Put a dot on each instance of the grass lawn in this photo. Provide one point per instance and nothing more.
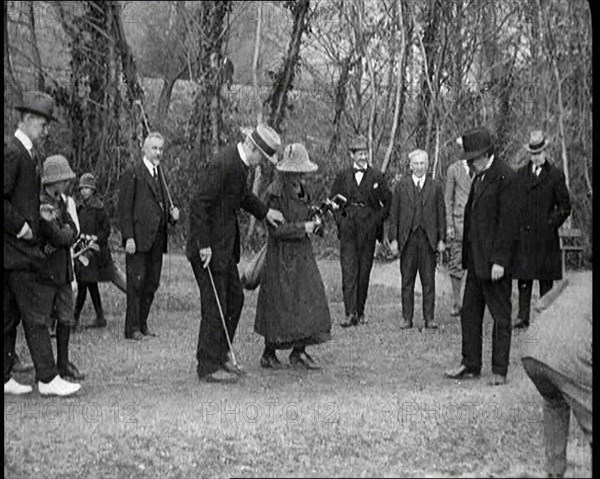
(379, 407)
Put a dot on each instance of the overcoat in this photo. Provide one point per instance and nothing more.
(292, 307)
(544, 205)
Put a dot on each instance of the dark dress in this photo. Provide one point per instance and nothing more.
(93, 220)
(292, 309)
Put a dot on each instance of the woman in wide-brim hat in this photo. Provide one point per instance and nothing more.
(292, 310)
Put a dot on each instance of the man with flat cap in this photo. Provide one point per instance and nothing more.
(213, 245)
(488, 246)
(360, 225)
(23, 257)
(417, 231)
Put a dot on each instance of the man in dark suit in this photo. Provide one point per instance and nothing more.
(545, 205)
(213, 245)
(360, 225)
(144, 212)
(488, 246)
(23, 257)
(417, 231)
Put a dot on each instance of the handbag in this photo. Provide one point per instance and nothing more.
(250, 278)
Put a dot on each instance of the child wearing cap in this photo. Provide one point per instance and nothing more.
(95, 223)
(58, 233)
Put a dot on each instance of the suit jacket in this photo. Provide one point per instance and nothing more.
(544, 205)
(21, 205)
(403, 211)
(458, 185)
(373, 188)
(213, 210)
(143, 207)
(490, 221)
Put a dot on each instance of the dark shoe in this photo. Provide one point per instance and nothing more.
(351, 320)
(270, 362)
(149, 334)
(99, 323)
(220, 376)
(362, 319)
(71, 372)
(406, 325)
(136, 336)
(520, 324)
(304, 360)
(231, 367)
(462, 372)
(19, 366)
(431, 325)
(497, 380)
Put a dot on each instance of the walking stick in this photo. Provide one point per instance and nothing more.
(212, 282)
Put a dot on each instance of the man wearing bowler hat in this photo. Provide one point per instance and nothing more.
(360, 225)
(213, 245)
(488, 246)
(545, 205)
(23, 258)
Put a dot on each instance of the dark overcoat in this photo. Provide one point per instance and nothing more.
(292, 307)
(544, 205)
(93, 220)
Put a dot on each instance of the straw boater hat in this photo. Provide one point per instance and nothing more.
(56, 168)
(358, 143)
(267, 141)
(537, 142)
(476, 142)
(38, 103)
(87, 180)
(295, 160)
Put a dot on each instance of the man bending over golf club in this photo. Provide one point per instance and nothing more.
(213, 247)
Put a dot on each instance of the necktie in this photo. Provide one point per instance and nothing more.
(359, 170)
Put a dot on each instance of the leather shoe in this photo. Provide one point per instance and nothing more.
(351, 320)
(462, 372)
(406, 325)
(58, 387)
(220, 376)
(520, 324)
(136, 336)
(431, 325)
(99, 323)
(362, 319)
(231, 367)
(304, 360)
(71, 372)
(497, 380)
(19, 366)
(270, 362)
(149, 334)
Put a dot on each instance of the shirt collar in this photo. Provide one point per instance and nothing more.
(534, 167)
(23, 138)
(149, 165)
(418, 181)
(466, 165)
(487, 166)
(242, 153)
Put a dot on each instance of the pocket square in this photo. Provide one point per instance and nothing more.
(376, 185)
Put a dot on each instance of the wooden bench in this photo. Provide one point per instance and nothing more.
(570, 242)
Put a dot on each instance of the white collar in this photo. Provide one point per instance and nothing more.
(418, 181)
(489, 163)
(23, 138)
(242, 153)
(466, 165)
(534, 167)
(149, 165)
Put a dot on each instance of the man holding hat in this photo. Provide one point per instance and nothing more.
(360, 225)
(144, 212)
(545, 205)
(213, 245)
(488, 247)
(22, 254)
(417, 231)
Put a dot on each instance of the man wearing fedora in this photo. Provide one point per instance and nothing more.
(417, 231)
(144, 213)
(544, 206)
(360, 225)
(22, 255)
(488, 246)
(213, 245)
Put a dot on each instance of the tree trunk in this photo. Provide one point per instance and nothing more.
(340, 102)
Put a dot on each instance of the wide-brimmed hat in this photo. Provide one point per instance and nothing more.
(537, 142)
(267, 141)
(38, 103)
(476, 142)
(418, 155)
(87, 180)
(56, 168)
(358, 143)
(296, 160)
